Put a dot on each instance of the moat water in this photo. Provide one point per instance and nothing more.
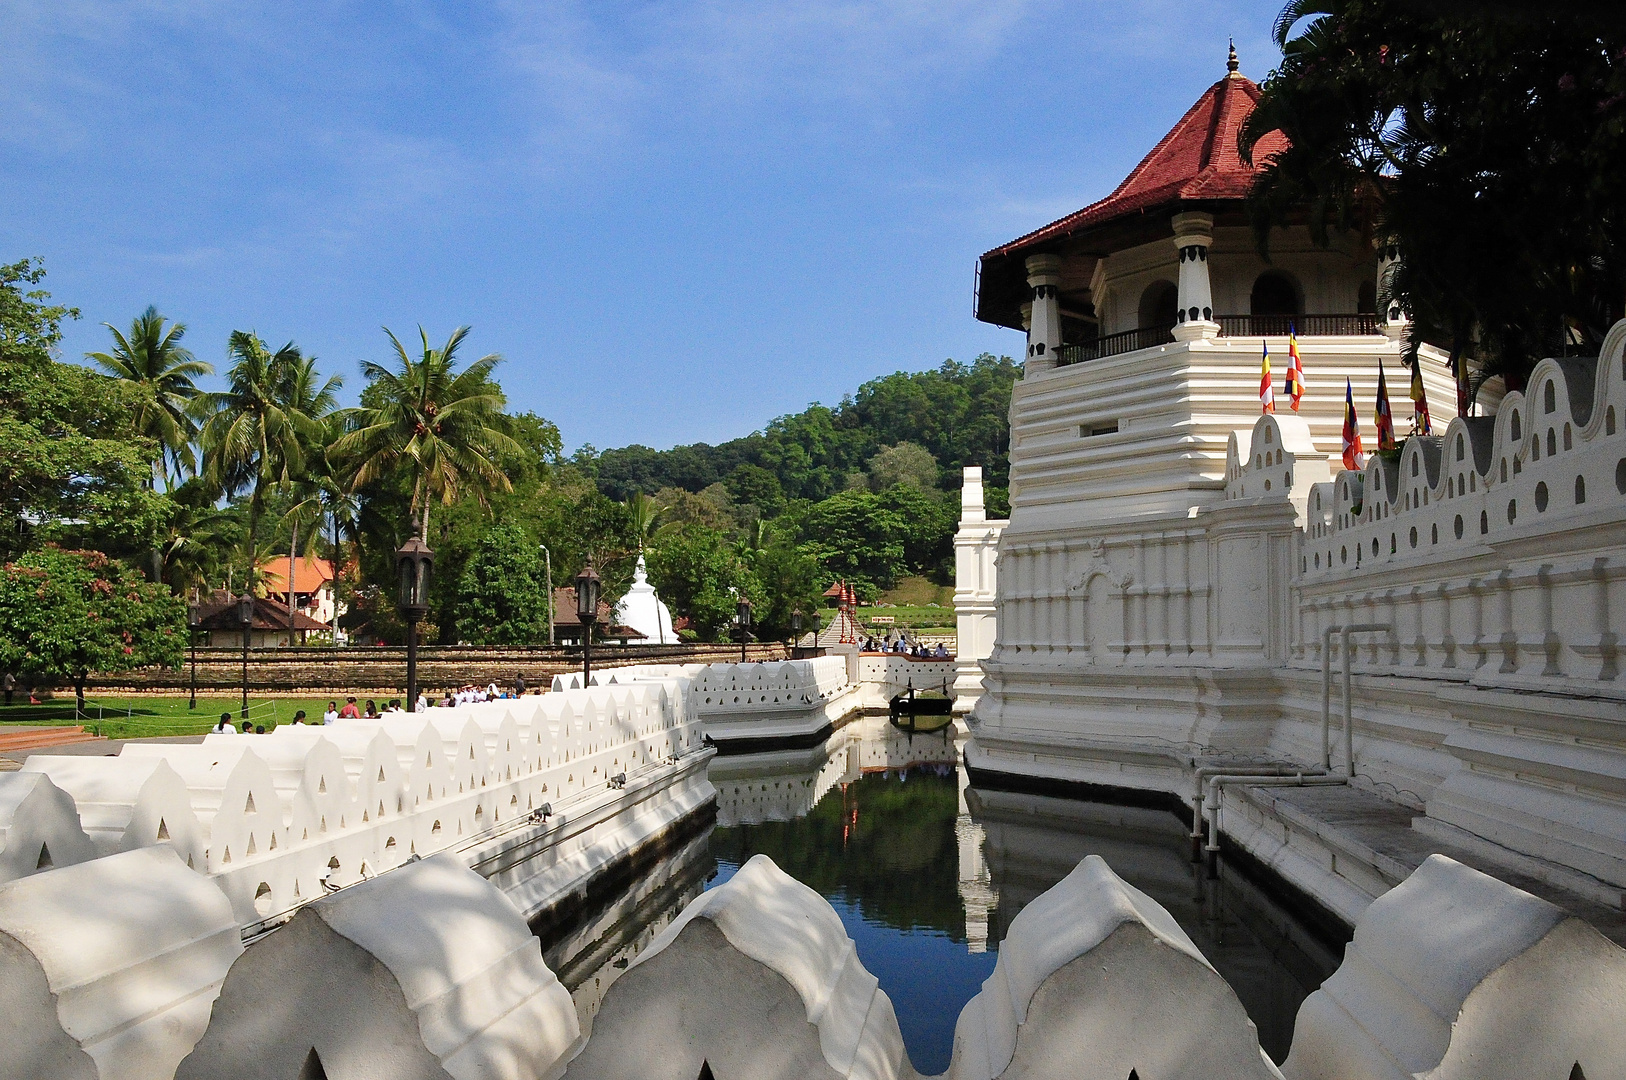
(927, 873)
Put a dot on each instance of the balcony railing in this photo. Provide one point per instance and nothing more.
(1149, 337)
(1146, 337)
(1303, 325)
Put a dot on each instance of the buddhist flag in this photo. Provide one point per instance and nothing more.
(1295, 368)
(1353, 458)
(1419, 397)
(1267, 393)
(1384, 419)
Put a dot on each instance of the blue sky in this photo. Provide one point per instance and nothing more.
(675, 220)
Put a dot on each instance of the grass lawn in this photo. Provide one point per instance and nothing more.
(135, 717)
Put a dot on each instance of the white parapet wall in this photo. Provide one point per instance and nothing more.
(758, 978)
(108, 968)
(1454, 975)
(278, 820)
(1146, 626)
(39, 827)
(428, 971)
(1095, 979)
(777, 700)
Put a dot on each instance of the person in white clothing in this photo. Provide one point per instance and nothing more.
(332, 714)
(223, 726)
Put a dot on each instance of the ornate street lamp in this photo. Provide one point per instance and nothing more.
(587, 586)
(245, 623)
(194, 620)
(743, 617)
(414, 564)
(795, 633)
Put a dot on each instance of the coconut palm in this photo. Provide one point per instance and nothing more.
(648, 518)
(445, 427)
(267, 424)
(151, 356)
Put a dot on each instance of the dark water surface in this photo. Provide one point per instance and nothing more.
(927, 874)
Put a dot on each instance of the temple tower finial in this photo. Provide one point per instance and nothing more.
(1231, 64)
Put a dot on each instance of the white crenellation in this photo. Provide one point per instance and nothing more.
(280, 819)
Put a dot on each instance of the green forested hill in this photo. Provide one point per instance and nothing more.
(957, 412)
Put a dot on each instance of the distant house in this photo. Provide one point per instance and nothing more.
(269, 627)
(567, 630)
(314, 593)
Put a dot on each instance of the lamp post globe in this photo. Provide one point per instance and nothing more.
(245, 623)
(414, 566)
(194, 620)
(587, 590)
(743, 617)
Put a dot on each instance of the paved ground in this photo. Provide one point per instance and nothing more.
(1381, 831)
(101, 748)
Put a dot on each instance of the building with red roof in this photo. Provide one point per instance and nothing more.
(314, 594)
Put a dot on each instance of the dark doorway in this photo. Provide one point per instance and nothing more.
(1275, 294)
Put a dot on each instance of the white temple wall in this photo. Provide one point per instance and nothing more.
(1495, 704)
(976, 579)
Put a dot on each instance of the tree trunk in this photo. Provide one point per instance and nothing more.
(293, 548)
(79, 692)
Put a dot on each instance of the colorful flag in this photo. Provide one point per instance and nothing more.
(1419, 397)
(1353, 458)
(1384, 419)
(1267, 393)
(1295, 368)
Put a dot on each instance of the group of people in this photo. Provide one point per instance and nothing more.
(917, 650)
(463, 695)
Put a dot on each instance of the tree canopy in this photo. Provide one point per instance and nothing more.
(1484, 140)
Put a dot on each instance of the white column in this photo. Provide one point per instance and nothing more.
(1193, 234)
(1044, 328)
(1390, 313)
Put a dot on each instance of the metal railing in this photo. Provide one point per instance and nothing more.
(1145, 337)
(1356, 325)
(1149, 337)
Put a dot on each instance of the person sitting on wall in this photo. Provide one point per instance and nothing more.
(349, 712)
(259, 729)
(421, 704)
(224, 726)
(248, 728)
(394, 707)
(299, 718)
(332, 714)
(372, 710)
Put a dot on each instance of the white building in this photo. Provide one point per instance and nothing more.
(1173, 558)
(645, 612)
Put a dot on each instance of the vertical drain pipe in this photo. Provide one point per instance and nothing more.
(1326, 691)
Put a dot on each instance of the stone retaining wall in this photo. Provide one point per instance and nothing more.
(381, 669)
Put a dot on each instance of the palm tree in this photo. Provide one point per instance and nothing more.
(151, 356)
(321, 497)
(303, 397)
(264, 430)
(647, 518)
(446, 428)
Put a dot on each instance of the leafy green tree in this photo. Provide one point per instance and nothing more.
(72, 465)
(855, 537)
(788, 578)
(151, 357)
(269, 420)
(502, 597)
(906, 463)
(66, 614)
(1484, 140)
(196, 545)
(446, 428)
(929, 521)
(693, 568)
(755, 486)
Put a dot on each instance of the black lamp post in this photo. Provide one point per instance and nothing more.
(245, 623)
(743, 617)
(194, 617)
(587, 586)
(795, 633)
(414, 564)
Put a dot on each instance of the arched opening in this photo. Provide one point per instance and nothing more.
(1274, 293)
(1366, 298)
(1159, 304)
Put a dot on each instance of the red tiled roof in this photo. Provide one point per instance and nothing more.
(310, 574)
(1197, 160)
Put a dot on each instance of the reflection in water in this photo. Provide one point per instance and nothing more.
(927, 874)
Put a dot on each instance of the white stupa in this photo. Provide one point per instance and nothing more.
(642, 610)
